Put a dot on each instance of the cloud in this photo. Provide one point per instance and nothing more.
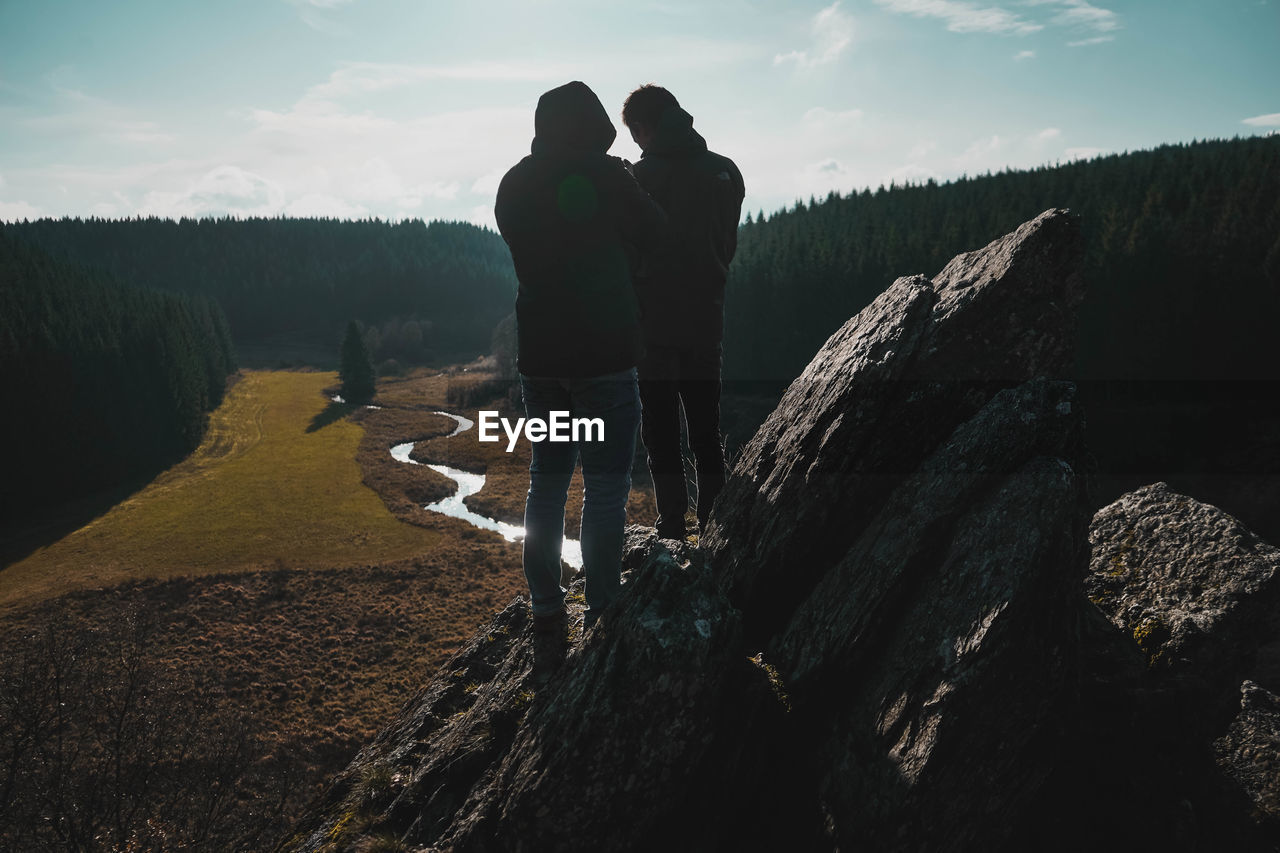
(831, 31)
(13, 211)
(225, 190)
(321, 150)
(1001, 151)
(1080, 13)
(482, 215)
(982, 147)
(1024, 54)
(1268, 120)
(487, 184)
(966, 17)
(963, 17)
(1089, 41)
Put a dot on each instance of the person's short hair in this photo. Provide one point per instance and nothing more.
(646, 105)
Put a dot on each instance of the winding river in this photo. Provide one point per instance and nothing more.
(469, 484)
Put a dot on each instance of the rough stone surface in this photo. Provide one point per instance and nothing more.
(1249, 754)
(631, 725)
(1198, 592)
(883, 391)
(952, 612)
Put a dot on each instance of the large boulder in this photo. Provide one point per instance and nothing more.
(1198, 591)
(905, 536)
(879, 396)
(934, 664)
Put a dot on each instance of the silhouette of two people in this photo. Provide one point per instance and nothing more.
(613, 278)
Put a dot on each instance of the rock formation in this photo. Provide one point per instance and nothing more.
(1187, 695)
(883, 642)
(1199, 593)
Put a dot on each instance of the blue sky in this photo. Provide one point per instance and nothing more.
(393, 108)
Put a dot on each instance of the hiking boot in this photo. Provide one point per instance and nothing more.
(544, 623)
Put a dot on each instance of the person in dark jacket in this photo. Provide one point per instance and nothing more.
(682, 301)
(574, 218)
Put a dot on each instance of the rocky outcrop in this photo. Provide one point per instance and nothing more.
(1199, 593)
(883, 643)
(879, 396)
(1192, 599)
(632, 724)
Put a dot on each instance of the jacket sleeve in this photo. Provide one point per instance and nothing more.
(641, 221)
(644, 225)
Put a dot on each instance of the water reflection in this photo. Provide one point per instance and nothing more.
(469, 484)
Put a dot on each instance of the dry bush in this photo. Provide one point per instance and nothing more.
(472, 392)
(105, 748)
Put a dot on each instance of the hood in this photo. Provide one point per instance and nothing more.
(675, 135)
(571, 118)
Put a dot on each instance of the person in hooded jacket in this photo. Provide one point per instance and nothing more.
(574, 219)
(682, 301)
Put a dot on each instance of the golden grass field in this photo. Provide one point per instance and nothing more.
(260, 491)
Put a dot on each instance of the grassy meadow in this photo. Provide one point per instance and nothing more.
(266, 488)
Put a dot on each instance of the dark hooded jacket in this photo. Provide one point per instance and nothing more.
(683, 303)
(574, 219)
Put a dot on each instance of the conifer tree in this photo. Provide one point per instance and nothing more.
(356, 372)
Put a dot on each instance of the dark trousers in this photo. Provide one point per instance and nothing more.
(672, 378)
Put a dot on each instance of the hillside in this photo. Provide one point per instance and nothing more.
(289, 286)
(108, 381)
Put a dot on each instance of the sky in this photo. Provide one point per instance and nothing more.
(415, 108)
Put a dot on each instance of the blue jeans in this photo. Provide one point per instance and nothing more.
(606, 474)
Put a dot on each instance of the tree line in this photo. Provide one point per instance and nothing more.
(433, 291)
(1182, 259)
(105, 381)
(1175, 349)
